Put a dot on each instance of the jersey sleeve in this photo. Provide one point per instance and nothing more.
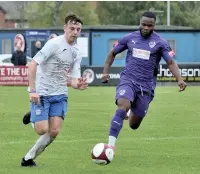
(47, 51)
(121, 45)
(166, 51)
(76, 69)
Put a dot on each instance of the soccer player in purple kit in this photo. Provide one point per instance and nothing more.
(135, 89)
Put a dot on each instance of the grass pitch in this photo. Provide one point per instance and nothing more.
(167, 142)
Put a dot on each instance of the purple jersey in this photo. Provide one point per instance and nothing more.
(143, 57)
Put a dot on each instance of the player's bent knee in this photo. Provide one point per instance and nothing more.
(41, 127)
(54, 132)
(134, 126)
(41, 131)
(123, 104)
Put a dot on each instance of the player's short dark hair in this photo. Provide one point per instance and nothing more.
(73, 18)
(149, 14)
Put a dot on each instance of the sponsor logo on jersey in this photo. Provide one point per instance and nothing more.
(141, 54)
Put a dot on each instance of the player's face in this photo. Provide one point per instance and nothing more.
(72, 30)
(146, 26)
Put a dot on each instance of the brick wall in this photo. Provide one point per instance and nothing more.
(9, 24)
(2, 19)
(5, 23)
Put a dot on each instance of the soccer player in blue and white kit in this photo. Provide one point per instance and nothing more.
(27, 117)
(136, 87)
(47, 81)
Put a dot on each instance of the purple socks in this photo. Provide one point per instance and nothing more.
(117, 122)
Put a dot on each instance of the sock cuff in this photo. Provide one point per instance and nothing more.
(121, 113)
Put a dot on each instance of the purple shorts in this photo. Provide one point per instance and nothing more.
(139, 99)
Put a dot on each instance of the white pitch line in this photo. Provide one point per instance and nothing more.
(90, 140)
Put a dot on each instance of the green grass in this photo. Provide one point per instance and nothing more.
(168, 141)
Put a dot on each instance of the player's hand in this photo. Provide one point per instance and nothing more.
(182, 85)
(105, 78)
(82, 83)
(34, 97)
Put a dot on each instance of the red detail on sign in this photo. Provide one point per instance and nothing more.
(13, 76)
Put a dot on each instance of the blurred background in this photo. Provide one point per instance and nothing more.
(169, 137)
(29, 25)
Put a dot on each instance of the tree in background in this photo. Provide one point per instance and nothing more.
(43, 14)
(128, 13)
(125, 12)
(186, 13)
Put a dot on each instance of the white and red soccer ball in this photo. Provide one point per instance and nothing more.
(102, 154)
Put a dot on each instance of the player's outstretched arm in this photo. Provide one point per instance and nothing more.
(173, 67)
(109, 61)
(79, 83)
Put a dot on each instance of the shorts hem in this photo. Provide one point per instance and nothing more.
(34, 121)
(123, 98)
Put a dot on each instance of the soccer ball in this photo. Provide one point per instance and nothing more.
(102, 154)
